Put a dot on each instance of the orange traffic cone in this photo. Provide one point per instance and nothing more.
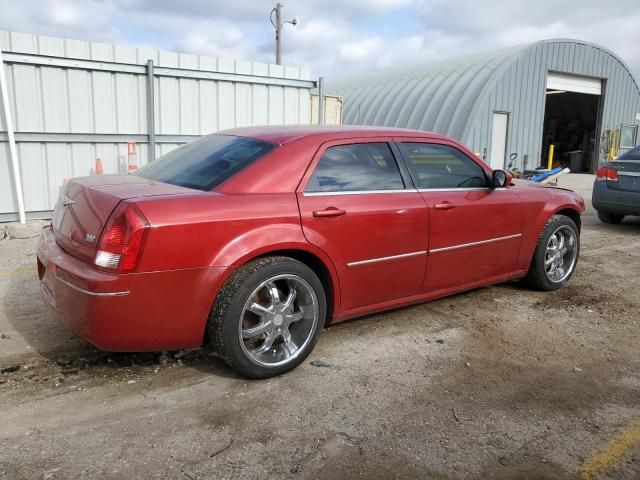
(99, 169)
(132, 157)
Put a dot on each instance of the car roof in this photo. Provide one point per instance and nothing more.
(289, 133)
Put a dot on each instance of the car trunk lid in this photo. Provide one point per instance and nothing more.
(628, 175)
(86, 203)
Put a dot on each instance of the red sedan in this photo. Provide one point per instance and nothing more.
(250, 241)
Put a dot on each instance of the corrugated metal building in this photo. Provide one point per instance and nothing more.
(574, 95)
(73, 101)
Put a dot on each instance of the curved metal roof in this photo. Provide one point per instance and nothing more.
(439, 96)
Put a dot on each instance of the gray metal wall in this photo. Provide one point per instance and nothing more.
(458, 97)
(74, 101)
(520, 91)
(434, 97)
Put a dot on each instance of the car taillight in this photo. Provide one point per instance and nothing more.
(122, 239)
(606, 173)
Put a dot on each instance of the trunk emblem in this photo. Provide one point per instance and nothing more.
(66, 201)
(89, 238)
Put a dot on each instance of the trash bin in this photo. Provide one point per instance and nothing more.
(576, 161)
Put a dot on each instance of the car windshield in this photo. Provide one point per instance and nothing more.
(207, 162)
(633, 154)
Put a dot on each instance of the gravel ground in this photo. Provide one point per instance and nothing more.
(500, 382)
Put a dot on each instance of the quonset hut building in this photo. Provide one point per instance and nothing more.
(577, 96)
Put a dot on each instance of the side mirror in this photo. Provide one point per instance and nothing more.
(500, 179)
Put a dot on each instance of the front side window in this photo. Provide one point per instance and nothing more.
(356, 167)
(442, 166)
(207, 162)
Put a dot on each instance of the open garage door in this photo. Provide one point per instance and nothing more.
(574, 83)
(571, 121)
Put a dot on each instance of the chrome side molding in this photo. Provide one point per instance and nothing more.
(386, 259)
(473, 244)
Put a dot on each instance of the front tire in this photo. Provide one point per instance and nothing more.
(268, 317)
(610, 217)
(556, 255)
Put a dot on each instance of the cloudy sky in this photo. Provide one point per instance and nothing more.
(334, 37)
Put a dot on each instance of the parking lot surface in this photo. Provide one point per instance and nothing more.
(500, 382)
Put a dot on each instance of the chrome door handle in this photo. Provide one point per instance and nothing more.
(329, 212)
(444, 206)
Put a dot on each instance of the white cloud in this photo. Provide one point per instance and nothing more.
(496, 23)
(88, 19)
(360, 49)
(334, 37)
(217, 39)
(64, 13)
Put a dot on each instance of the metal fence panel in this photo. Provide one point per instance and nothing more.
(74, 101)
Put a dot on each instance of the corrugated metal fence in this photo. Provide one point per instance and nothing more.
(73, 102)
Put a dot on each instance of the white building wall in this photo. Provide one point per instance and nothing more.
(95, 109)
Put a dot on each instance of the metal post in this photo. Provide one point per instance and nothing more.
(278, 30)
(321, 101)
(550, 160)
(151, 113)
(13, 153)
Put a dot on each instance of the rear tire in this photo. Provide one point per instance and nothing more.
(556, 255)
(267, 317)
(610, 217)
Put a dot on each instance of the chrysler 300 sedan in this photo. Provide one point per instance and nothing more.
(250, 241)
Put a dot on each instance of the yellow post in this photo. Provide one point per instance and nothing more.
(550, 162)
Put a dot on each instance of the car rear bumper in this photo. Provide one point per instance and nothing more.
(615, 201)
(127, 312)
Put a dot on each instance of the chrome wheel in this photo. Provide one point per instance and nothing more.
(560, 254)
(278, 320)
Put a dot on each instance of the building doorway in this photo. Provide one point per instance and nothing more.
(499, 140)
(571, 118)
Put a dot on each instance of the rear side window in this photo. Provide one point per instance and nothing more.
(442, 166)
(207, 162)
(356, 167)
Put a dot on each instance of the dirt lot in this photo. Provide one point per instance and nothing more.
(498, 383)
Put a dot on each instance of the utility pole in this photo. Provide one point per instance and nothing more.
(278, 30)
(278, 24)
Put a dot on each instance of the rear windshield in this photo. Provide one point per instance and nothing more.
(633, 154)
(207, 162)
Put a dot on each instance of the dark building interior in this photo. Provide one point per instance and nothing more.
(570, 124)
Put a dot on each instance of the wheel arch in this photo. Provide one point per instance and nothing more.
(570, 212)
(537, 226)
(306, 253)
